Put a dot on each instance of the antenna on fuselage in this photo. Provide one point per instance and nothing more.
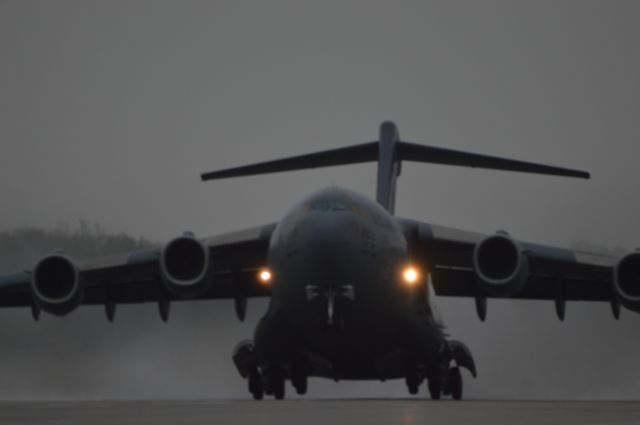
(389, 151)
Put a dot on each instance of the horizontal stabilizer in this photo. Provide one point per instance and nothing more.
(366, 152)
(389, 151)
(422, 153)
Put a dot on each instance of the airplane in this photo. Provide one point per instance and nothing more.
(351, 285)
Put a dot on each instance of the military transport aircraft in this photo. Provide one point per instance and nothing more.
(351, 285)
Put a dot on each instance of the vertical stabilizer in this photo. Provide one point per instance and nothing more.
(388, 165)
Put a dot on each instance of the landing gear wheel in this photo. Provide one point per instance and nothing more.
(278, 390)
(413, 389)
(275, 376)
(435, 388)
(300, 384)
(413, 384)
(455, 383)
(255, 384)
(298, 373)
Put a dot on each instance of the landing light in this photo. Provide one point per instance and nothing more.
(265, 276)
(410, 275)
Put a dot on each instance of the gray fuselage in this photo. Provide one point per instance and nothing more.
(338, 290)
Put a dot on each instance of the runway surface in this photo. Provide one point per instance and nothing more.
(333, 412)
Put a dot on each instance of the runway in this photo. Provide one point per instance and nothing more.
(333, 412)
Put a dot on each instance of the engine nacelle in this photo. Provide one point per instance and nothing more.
(185, 266)
(626, 281)
(56, 286)
(500, 265)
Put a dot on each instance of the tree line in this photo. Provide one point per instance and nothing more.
(20, 248)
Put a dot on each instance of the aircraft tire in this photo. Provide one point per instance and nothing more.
(435, 389)
(298, 375)
(255, 384)
(413, 382)
(278, 391)
(300, 384)
(276, 379)
(455, 382)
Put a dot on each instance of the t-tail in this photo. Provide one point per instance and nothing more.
(389, 151)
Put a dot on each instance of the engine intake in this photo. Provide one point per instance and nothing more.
(184, 266)
(500, 265)
(56, 286)
(627, 281)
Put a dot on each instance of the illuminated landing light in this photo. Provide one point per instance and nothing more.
(265, 276)
(410, 275)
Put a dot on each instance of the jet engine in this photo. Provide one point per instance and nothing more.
(500, 265)
(627, 281)
(56, 285)
(185, 266)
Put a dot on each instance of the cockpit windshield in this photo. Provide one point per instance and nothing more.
(327, 205)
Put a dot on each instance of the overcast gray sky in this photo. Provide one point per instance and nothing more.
(110, 110)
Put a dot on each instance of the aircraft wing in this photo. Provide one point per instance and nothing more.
(136, 277)
(553, 273)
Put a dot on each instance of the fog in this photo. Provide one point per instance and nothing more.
(109, 111)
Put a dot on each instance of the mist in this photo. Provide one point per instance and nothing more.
(110, 111)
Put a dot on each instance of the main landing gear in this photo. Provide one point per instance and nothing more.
(255, 384)
(443, 377)
(274, 378)
(272, 382)
(270, 379)
(440, 381)
(449, 385)
(455, 383)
